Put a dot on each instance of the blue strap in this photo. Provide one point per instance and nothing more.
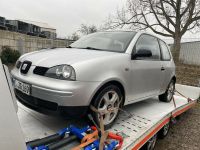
(94, 145)
(62, 132)
(29, 148)
(80, 133)
(112, 145)
(42, 147)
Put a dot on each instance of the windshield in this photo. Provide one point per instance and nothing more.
(105, 41)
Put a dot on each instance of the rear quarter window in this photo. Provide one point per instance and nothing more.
(164, 51)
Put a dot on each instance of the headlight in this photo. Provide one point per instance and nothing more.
(63, 72)
(18, 64)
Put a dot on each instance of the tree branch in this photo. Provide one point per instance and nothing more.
(186, 9)
(155, 31)
(165, 14)
(172, 4)
(158, 20)
(190, 20)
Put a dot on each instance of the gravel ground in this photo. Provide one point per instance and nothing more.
(185, 134)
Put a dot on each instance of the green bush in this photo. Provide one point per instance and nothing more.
(8, 55)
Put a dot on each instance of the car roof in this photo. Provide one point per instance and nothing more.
(118, 31)
(137, 32)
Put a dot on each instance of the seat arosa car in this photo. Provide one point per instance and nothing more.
(105, 69)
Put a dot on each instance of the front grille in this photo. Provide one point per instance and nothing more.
(36, 102)
(40, 70)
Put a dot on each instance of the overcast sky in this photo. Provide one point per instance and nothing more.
(65, 15)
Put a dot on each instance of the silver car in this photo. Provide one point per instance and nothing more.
(105, 69)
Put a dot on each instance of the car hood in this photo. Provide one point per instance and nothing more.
(53, 57)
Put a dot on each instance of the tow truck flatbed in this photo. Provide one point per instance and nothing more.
(146, 119)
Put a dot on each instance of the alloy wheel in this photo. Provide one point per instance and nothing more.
(170, 91)
(109, 106)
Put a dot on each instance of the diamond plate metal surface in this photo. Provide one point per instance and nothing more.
(131, 127)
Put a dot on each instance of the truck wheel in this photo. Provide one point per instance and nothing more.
(168, 95)
(150, 145)
(164, 131)
(107, 102)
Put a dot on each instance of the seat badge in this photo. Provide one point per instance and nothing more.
(24, 66)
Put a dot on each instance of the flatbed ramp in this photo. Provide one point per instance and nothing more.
(137, 124)
(148, 118)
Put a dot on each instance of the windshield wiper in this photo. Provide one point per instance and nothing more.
(92, 48)
(69, 46)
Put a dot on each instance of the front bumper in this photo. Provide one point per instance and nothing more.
(47, 107)
(53, 92)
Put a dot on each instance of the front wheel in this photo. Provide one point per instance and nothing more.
(168, 95)
(107, 102)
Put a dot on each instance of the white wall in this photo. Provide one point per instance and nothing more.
(190, 53)
(11, 136)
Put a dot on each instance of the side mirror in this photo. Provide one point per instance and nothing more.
(142, 53)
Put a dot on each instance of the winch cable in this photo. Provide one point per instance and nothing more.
(173, 119)
(189, 99)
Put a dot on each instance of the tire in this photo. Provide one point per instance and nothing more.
(164, 131)
(150, 145)
(103, 101)
(168, 95)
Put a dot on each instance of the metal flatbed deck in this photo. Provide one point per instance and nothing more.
(148, 117)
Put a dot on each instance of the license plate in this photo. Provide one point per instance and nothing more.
(23, 87)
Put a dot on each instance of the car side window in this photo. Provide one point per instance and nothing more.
(148, 42)
(164, 51)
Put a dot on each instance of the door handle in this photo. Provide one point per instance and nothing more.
(162, 68)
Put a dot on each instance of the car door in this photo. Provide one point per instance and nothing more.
(167, 65)
(146, 71)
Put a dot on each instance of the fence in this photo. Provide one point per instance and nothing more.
(190, 53)
(26, 43)
(188, 67)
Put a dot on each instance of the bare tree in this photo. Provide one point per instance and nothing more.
(84, 30)
(74, 36)
(169, 18)
(87, 29)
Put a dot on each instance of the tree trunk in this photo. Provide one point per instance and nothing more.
(176, 48)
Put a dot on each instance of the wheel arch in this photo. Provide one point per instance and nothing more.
(174, 78)
(110, 82)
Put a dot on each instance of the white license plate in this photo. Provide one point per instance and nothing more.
(24, 88)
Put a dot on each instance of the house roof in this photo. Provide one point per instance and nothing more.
(40, 24)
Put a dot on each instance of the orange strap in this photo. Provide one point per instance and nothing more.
(88, 137)
(79, 147)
